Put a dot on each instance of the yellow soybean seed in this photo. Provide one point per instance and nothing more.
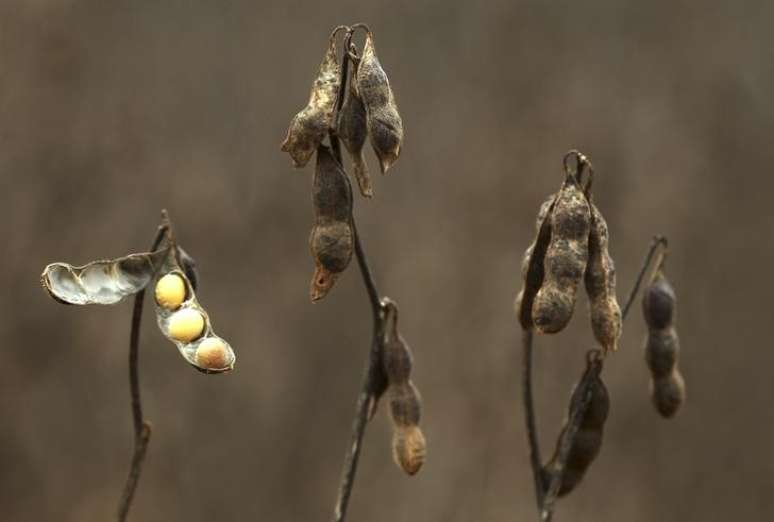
(211, 354)
(170, 291)
(186, 325)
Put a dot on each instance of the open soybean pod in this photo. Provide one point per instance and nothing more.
(332, 238)
(588, 438)
(532, 269)
(565, 258)
(183, 321)
(309, 127)
(101, 282)
(385, 126)
(662, 346)
(606, 321)
(353, 131)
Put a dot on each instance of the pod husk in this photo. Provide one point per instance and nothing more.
(101, 282)
(385, 126)
(310, 126)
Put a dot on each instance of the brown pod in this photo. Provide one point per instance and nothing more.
(532, 269)
(662, 349)
(332, 238)
(309, 127)
(668, 393)
(353, 131)
(659, 302)
(396, 355)
(409, 448)
(599, 278)
(587, 442)
(405, 404)
(385, 126)
(565, 259)
(662, 346)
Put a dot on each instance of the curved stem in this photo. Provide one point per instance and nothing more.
(142, 428)
(654, 245)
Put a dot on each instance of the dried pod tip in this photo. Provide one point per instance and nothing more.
(170, 291)
(186, 325)
(212, 354)
(322, 282)
(409, 448)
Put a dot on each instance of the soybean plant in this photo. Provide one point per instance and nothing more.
(570, 247)
(179, 316)
(351, 101)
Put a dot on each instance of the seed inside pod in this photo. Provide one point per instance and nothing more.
(212, 354)
(186, 325)
(170, 291)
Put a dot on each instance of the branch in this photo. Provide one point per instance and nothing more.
(352, 454)
(142, 428)
(654, 244)
(529, 415)
(546, 496)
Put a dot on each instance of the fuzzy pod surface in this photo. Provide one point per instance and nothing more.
(308, 128)
(587, 442)
(532, 265)
(565, 259)
(385, 126)
(600, 281)
(353, 131)
(332, 238)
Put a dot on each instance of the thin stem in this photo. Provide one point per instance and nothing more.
(362, 410)
(529, 415)
(142, 428)
(654, 245)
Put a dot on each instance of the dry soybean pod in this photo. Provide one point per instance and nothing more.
(587, 440)
(309, 127)
(662, 345)
(606, 322)
(408, 444)
(566, 256)
(352, 127)
(532, 269)
(385, 126)
(331, 240)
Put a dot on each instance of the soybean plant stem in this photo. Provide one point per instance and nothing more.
(546, 495)
(142, 428)
(365, 397)
(654, 245)
(529, 414)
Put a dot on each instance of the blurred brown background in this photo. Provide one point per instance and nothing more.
(110, 111)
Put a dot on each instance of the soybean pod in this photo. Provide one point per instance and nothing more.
(662, 345)
(308, 128)
(565, 258)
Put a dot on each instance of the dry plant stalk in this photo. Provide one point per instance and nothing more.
(571, 245)
(353, 105)
(180, 317)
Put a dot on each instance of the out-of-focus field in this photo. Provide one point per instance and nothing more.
(110, 111)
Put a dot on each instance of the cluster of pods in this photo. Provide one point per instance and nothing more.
(354, 104)
(571, 246)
